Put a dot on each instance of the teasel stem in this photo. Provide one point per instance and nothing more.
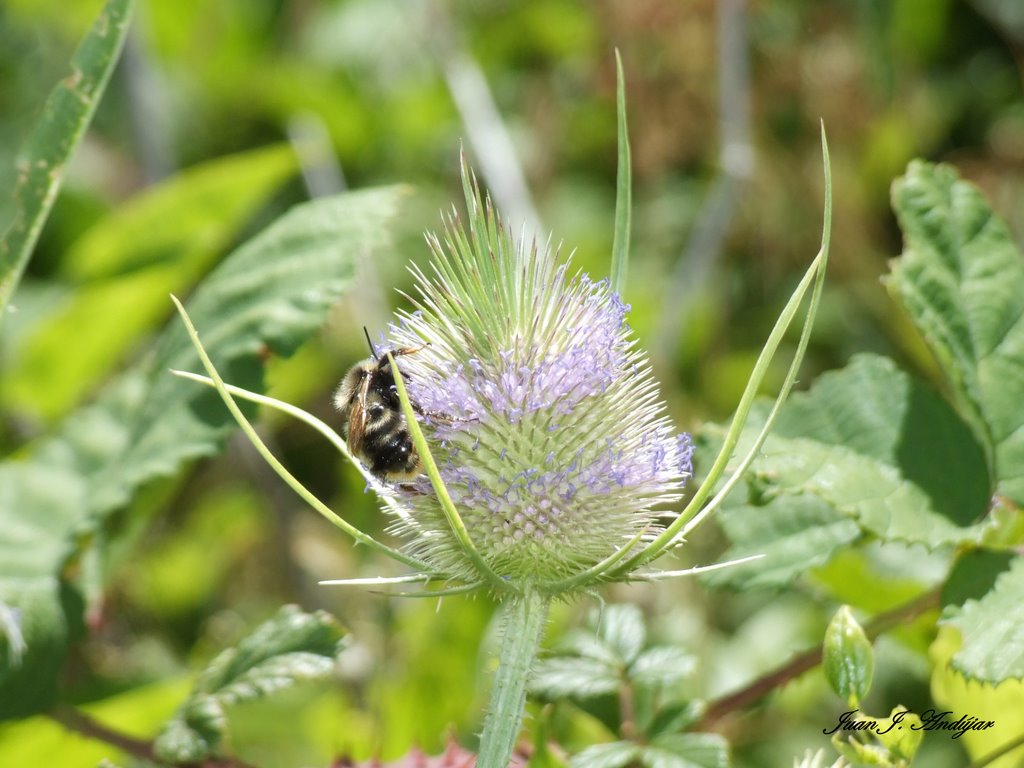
(525, 618)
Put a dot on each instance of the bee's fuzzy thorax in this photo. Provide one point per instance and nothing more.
(555, 445)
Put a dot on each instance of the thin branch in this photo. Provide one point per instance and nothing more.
(762, 686)
(79, 722)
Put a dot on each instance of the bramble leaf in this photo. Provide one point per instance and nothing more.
(289, 648)
(993, 630)
(866, 444)
(793, 533)
(118, 275)
(961, 278)
(617, 754)
(272, 292)
(577, 676)
(661, 666)
(685, 750)
(621, 627)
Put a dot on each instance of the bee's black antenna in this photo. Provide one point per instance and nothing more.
(373, 352)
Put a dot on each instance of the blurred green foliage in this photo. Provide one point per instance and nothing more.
(185, 160)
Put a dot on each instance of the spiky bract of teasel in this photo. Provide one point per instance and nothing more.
(540, 410)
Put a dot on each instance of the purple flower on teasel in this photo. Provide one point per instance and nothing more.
(541, 411)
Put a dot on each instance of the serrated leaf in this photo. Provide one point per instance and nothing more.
(792, 533)
(66, 114)
(877, 448)
(585, 643)
(847, 657)
(289, 648)
(192, 735)
(674, 717)
(273, 291)
(686, 750)
(998, 709)
(961, 278)
(973, 575)
(661, 666)
(621, 627)
(993, 630)
(124, 268)
(576, 676)
(618, 754)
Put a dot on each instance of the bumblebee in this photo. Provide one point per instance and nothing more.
(372, 420)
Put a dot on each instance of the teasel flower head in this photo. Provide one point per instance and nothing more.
(539, 408)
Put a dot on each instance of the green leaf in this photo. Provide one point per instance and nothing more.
(588, 645)
(902, 742)
(992, 630)
(618, 754)
(674, 717)
(43, 617)
(124, 267)
(66, 114)
(686, 750)
(576, 676)
(661, 666)
(793, 533)
(997, 708)
(973, 575)
(962, 280)
(848, 658)
(289, 648)
(594, 665)
(621, 627)
(868, 444)
(37, 513)
(274, 291)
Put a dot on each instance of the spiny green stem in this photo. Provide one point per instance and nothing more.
(524, 626)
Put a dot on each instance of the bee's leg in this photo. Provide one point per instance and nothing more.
(410, 488)
(444, 418)
(409, 350)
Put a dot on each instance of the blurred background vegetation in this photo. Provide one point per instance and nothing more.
(189, 154)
